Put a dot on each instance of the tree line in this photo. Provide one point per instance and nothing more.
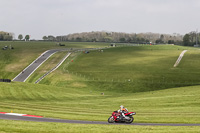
(191, 39)
(5, 36)
(26, 38)
(120, 37)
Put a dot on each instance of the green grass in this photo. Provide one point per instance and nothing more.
(177, 105)
(134, 69)
(8, 126)
(140, 78)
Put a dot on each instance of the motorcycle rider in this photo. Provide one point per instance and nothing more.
(122, 110)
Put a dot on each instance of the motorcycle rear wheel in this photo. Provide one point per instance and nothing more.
(130, 120)
(111, 119)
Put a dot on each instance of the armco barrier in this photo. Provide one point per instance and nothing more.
(5, 80)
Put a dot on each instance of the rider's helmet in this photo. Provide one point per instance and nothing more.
(121, 107)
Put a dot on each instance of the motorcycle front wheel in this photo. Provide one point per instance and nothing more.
(130, 120)
(111, 119)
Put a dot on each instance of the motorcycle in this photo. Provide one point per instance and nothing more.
(118, 118)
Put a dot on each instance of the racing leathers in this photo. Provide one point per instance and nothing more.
(123, 111)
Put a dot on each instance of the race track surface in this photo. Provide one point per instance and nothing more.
(25, 118)
(21, 77)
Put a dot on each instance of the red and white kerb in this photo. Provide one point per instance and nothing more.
(16, 114)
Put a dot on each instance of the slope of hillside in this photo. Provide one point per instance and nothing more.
(135, 69)
(74, 91)
(177, 105)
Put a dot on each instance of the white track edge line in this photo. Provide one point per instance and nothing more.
(30, 64)
(58, 65)
(38, 67)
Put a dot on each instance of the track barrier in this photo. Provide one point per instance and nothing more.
(5, 80)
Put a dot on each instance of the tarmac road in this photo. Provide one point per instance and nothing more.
(21, 77)
(25, 118)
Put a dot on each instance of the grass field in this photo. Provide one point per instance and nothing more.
(134, 69)
(177, 105)
(140, 78)
(14, 61)
(38, 127)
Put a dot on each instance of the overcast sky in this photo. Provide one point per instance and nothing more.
(61, 17)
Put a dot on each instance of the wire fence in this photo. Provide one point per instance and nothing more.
(84, 77)
(60, 63)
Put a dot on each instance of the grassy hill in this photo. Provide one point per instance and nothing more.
(131, 69)
(177, 105)
(141, 78)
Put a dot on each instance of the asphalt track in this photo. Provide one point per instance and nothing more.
(21, 77)
(35, 119)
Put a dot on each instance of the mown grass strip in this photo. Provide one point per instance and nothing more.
(42, 127)
(177, 105)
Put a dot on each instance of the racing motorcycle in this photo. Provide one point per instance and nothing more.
(118, 118)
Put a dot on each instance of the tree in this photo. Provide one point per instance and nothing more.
(108, 39)
(20, 37)
(45, 38)
(129, 40)
(7, 37)
(142, 40)
(192, 36)
(27, 37)
(1, 37)
(51, 38)
(157, 41)
(170, 41)
(78, 39)
(161, 38)
(94, 40)
(186, 40)
(122, 39)
(102, 36)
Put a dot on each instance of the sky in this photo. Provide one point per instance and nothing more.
(39, 18)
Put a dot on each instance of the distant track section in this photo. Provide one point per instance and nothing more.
(60, 63)
(23, 76)
(26, 73)
(179, 58)
(53, 69)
